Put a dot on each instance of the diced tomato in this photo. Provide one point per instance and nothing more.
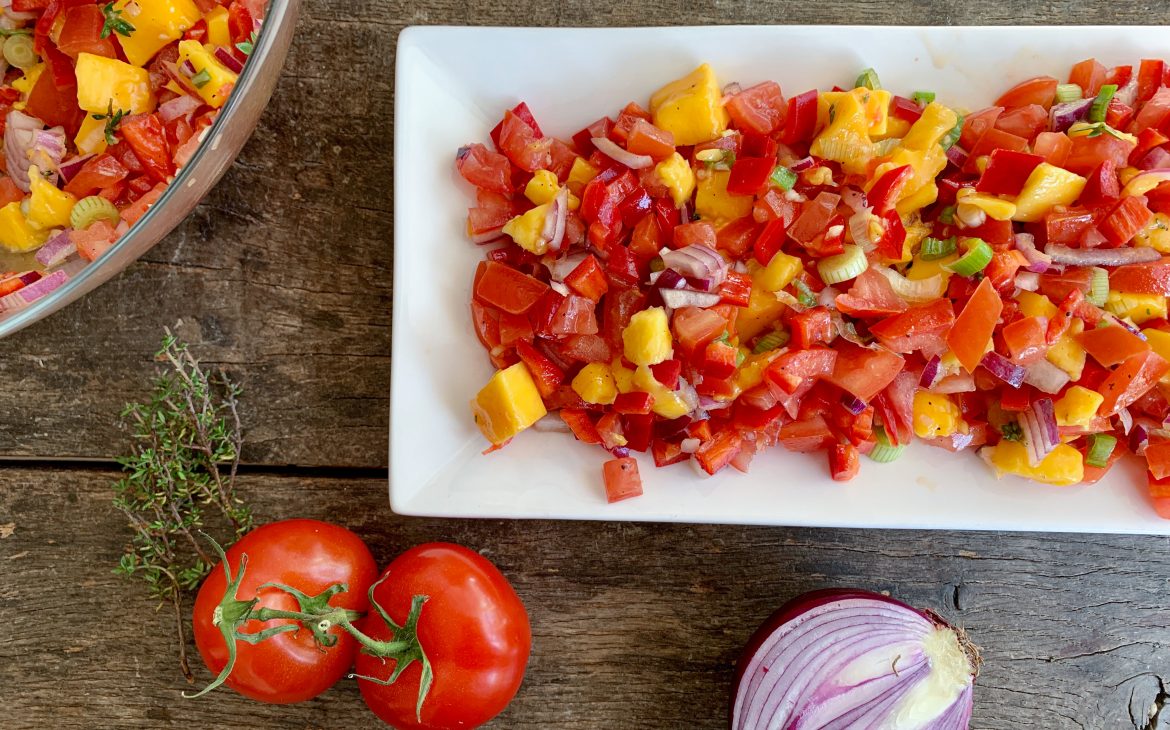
(1007, 171)
(870, 296)
(1040, 90)
(844, 462)
(1001, 270)
(1086, 153)
(794, 368)
(1112, 345)
(1158, 491)
(1102, 187)
(667, 452)
(1158, 459)
(759, 109)
(1130, 381)
(1054, 147)
(485, 169)
(584, 139)
(515, 328)
(719, 360)
(588, 279)
(1057, 285)
(508, 289)
(699, 232)
(145, 197)
(633, 402)
(622, 480)
(801, 120)
(718, 452)
(694, 328)
(736, 237)
(1150, 76)
(1067, 225)
(814, 218)
(749, 175)
(1025, 121)
(923, 326)
(646, 139)
(1149, 278)
(145, 135)
(807, 435)
(864, 372)
(992, 140)
(585, 348)
(810, 327)
(991, 230)
(1153, 113)
(9, 192)
(1117, 114)
(1089, 75)
(98, 172)
(888, 188)
(523, 145)
(975, 125)
(81, 30)
(53, 99)
(1127, 218)
(973, 327)
(769, 242)
(774, 206)
(1026, 339)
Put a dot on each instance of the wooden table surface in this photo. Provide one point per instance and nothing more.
(283, 275)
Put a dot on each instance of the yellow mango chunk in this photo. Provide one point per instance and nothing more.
(1160, 344)
(647, 339)
(581, 172)
(16, 234)
(751, 371)
(875, 106)
(218, 32)
(1063, 467)
(25, 83)
(923, 269)
(936, 415)
(623, 377)
(676, 174)
(921, 149)
(1156, 234)
(508, 404)
(713, 202)
(846, 138)
(1139, 308)
(156, 23)
(527, 230)
(1047, 187)
(1067, 354)
(762, 310)
(1033, 304)
(91, 136)
(595, 384)
(1077, 406)
(213, 81)
(691, 108)
(107, 83)
(779, 272)
(543, 187)
(667, 403)
(48, 205)
(997, 208)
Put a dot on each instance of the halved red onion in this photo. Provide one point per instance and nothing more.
(698, 261)
(1004, 369)
(1037, 260)
(1046, 377)
(957, 156)
(613, 151)
(1064, 115)
(1100, 257)
(56, 249)
(854, 659)
(930, 372)
(677, 298)
(805, 163)
(854, 199)
(227, 58)
(72, 166)
(27, 143)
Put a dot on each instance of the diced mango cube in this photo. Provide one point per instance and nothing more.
(936, 415)
(762, 310)
(527, 229)
(581, 172)
(1063, 467)
(25, 83)
(1077, 406)
(997, 208)
(713, 202)
(218, 31)
(1160, 344)
(16, 234)
(691, 108)
(48, 205)
(1067, 354)
(751, 371)
(846, 138)
(924, 269)
(107, 83)
(543, 187)
(508, 404)
(595, 384)
(623, 377)
(91, 136)
(667, 403)
(212, 79)
(875, 106)
(779, 272)
(1047, 187)
(1139, 308)
(647, 339)
(1156, 234)
(157, 23)
(676, 174)
(1033, 304)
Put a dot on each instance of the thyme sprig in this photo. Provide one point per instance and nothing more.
(181, 472)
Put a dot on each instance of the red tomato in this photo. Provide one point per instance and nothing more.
(1154, 112)
(814, 218)
(694, 328)
(1089, 75)
(473, 628)
(524, 147)
(53, 99)
(1026, 339)
(1025, 121)
(699, 232)
(146, 136)
(621, 479)
(870, 296)
(759, 109)
(844, 462)
(973, 327)
(484, 169)
(1086, 153)
(1053, 147)
(1040, 90)
(864, 372)
(508, 289)
(1130, 381)
(240, 23)
(1150, 74)
(646, 139)
(307, 555)
(975, 125)
(1112, 345)
(921, 327)
(81, 30)
(718, 452)
(801, 119)
(807, 434)
(98, 172)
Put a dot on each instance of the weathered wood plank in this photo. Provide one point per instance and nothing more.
(635, 625)
(283, 274)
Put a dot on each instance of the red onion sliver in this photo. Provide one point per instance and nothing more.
(71, 167)
(806, 163)
(957, 156)
(1004, 369)
(612, 150)
(697, 261)
(227, 58)
(1101, 257)
(677, 298)
(853, 404)
(1064, 115)
(930, 372)
(1046, 377)
(57, 249)
(23, 297)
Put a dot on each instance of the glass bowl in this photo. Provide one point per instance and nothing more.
(224, 140)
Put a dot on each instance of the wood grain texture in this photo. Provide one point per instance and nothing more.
(635, 626)
(283, 273)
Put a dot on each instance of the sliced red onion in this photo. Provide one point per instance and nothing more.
(844, 659)
(1041, 434)
(930, 372)
(1128, 94)
(613, 151)
(827, 297)
(698, 261)
(732, 89)
(806, 163)
(71, 167)
(957, 156)
(556, 219)
(1125, 418)
(187, 68)
(1004, 369)
(185, 105)
(1101, 257)
(227, 58)
(1046, 377)
(23, 297)
(560, 268)
(1028, 280)
(957, 383)
(56, 249)
(859, 229)
(668, 279)
(1037, 260)
(699, 284)
(1155, 158)
(1064, 115)
(25, 278)
(552, 423)
(687, 393)
(27, 143)
(1138, 438)
(854, 199)
(853, 404)
(677, 298)
(1118, 321)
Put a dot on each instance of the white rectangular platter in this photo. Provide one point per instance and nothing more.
(453, 85)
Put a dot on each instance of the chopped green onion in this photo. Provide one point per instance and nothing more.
(922, 98)
(1068, 92)
(868, 79)
(88, 211)
(18, 52)
(937, 248)
(783, 178)
(976, 259)
(1098, 287)
(804, 295)
(947, 215)
(883, 451)
(844, 266)
(774, 340)
(1101, 447)
(952, 136)
(201, 79)
(1012, 431)
(739, 357)
(1101, 103)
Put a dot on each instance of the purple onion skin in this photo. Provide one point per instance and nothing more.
(801, 605)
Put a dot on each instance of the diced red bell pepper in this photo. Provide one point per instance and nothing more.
(588, 279)
(545, 373)
(667, 452)
(718, 452)
(801, 120)
(736, 289)
(758, 145)
(638, 429)
(810, 327)
(1102, 187)
(736, 238)
(622, 265)
(893, 238)
(1158, 491)
(905, 109)
(992, 140)
(719, 360)
(749, 175)
(667, 372)
(1150, 78)
(622, 480)
(1158, 459)
(584, 139)
(1118, 114)
(699, 232)
(633, 402)
(888, 189)
(581, 424)
(1015, 400)
(844, 462)
(1127, 218)
(770, 241)
(1148, 139)
(515, 328)
(507, 289)
(1007, 171)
